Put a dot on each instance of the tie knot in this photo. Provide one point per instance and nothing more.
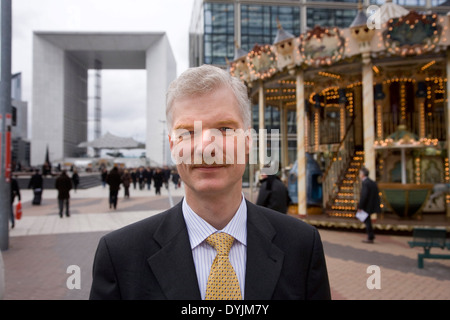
(222, 242)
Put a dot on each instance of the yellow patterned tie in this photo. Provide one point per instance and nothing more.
(223, 283)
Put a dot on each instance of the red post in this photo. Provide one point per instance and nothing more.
(8, 147)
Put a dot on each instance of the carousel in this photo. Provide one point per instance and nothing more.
(373, 95)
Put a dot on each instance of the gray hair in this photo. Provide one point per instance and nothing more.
(205, 79)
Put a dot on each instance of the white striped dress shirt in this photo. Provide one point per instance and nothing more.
(204, 254)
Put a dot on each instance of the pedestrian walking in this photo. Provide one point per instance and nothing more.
(103, 176)
(37, 184)
(141, 178)
(273, 194)
(75, 180)
(166, 174)
(134, 178)
(176, 179)
(113, 180)
(126, 181)
(15, 192)
(148, 177)
(63, 184)
(158, 178)
(369, 202)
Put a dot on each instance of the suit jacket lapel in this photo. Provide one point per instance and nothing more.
(264, 259)
(173, 264)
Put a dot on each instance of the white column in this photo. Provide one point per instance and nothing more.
(161, 70)
(368, 116)
(284, 140)
(261, 135)
(301, 155)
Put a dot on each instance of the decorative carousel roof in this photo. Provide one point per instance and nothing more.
(360, 19)
(239, 53)
(390, 10)
(282, 35)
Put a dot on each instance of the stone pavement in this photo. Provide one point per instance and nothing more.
(43, 246)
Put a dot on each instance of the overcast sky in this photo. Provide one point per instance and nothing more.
(120, 89)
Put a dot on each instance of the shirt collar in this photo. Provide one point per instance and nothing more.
(199, 229)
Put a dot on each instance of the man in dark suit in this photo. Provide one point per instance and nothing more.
(369, 201)
(273, 194)
(172, 255)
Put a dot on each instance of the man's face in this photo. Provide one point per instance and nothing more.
(361, 175)
(210, 132)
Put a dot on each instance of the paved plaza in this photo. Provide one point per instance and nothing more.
(42, 246)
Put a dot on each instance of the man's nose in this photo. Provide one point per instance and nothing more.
(204, 139)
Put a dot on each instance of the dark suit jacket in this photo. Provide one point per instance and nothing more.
(152, 259)
(273, 194)
(369, 200)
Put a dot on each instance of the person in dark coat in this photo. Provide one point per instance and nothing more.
(158, 178)
(273, 194)
(148, 177)
(15, 192)
(63, 184)
(176, 179)
(103, 176)
(126, 181)
(134, 178)
(141, 178)
(166, 176)
(75, 180)
(369, 201)
(113, 180)
(37, 184)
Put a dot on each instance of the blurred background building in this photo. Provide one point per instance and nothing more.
(19, 136)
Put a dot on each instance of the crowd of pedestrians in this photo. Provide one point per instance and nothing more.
(140, 178)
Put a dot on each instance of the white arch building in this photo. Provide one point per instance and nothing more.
(61, 61)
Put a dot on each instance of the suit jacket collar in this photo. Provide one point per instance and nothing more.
(173, 263)
(264, 258)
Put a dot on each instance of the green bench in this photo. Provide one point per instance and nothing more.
(428, 238)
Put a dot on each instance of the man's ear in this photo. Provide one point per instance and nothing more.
(170, 141)
(248, 141)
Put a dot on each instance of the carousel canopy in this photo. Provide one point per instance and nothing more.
(239, 53)
(403, 133)
(360, 19)
(282, 35)
(390, 10)
(110, 141)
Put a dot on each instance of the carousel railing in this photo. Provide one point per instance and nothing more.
(338, 165)
(434, 123)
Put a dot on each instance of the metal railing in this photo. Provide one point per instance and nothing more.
(338, 165)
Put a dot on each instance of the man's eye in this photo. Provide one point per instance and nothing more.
(186, 134)
(224, 129)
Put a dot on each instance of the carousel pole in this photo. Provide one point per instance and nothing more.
(301, 152)
(447, 197)
(262, 125)
(368, 116)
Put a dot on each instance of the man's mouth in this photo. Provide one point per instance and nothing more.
(208, 166)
